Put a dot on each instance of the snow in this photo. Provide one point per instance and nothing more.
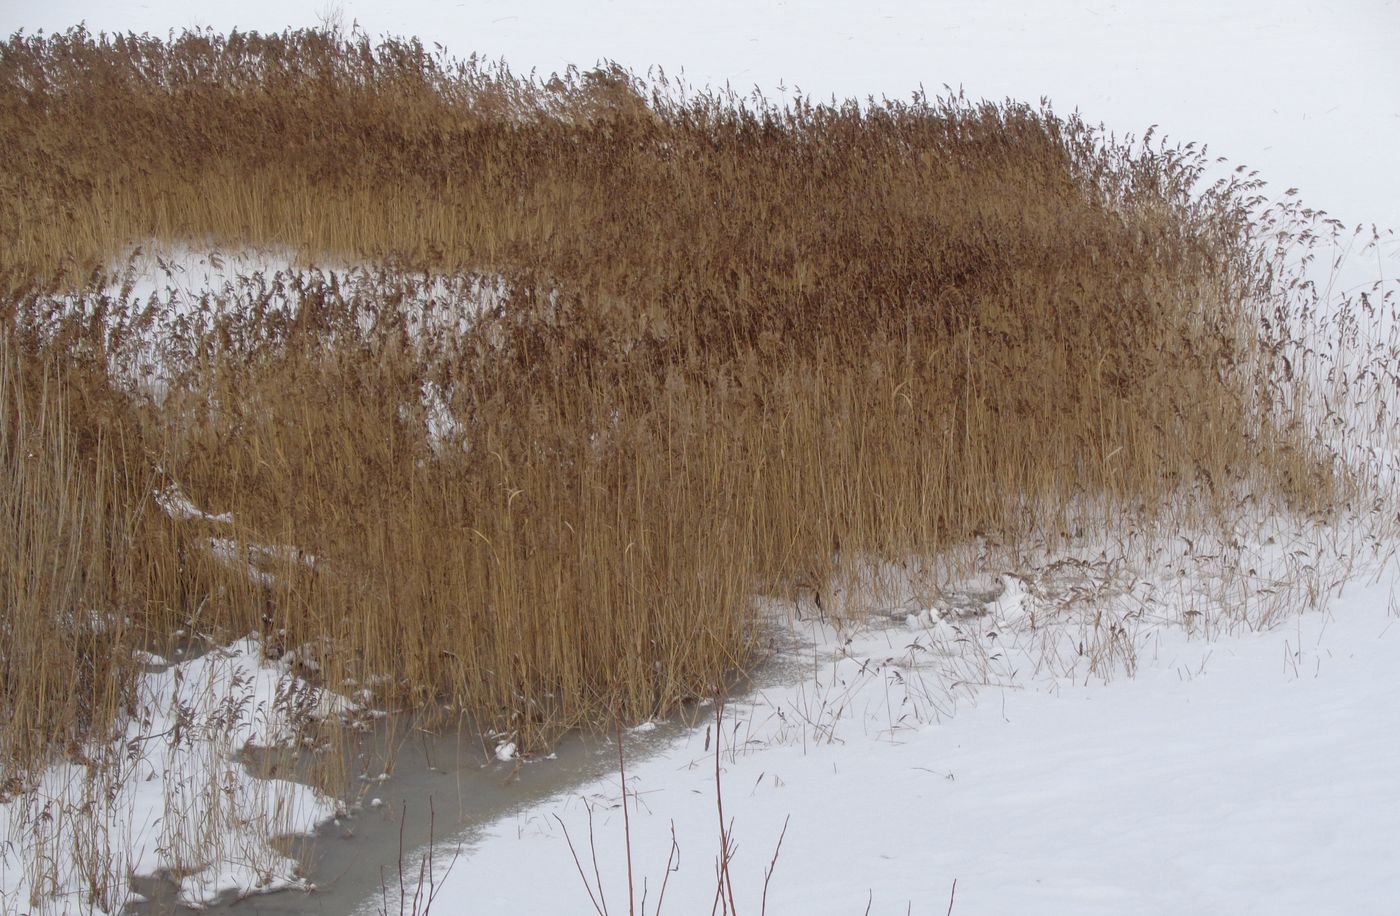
(179, 507)
(177, 289)
(1249, 773)
(173, 289)
(180, 777)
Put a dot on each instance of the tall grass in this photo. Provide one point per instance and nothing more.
(733, 343)
(57, 629)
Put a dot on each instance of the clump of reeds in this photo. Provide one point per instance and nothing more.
(57, 671)
(90, 567)
(734, 343)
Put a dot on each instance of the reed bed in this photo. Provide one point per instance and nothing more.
(731, 344)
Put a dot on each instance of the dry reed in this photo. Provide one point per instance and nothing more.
(734, 343)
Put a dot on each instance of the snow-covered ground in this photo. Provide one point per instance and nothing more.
(1235, 771)
(171, 292)
(1243, 772)
(145, 804)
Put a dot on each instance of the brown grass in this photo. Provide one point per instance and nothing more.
(735, 343)
(57, 628)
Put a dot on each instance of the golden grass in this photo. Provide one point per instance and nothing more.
(52, 541)
(736, 343)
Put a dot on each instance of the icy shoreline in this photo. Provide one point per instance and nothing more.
(1247, 772)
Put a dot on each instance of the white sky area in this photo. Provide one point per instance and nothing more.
(1306, 92)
